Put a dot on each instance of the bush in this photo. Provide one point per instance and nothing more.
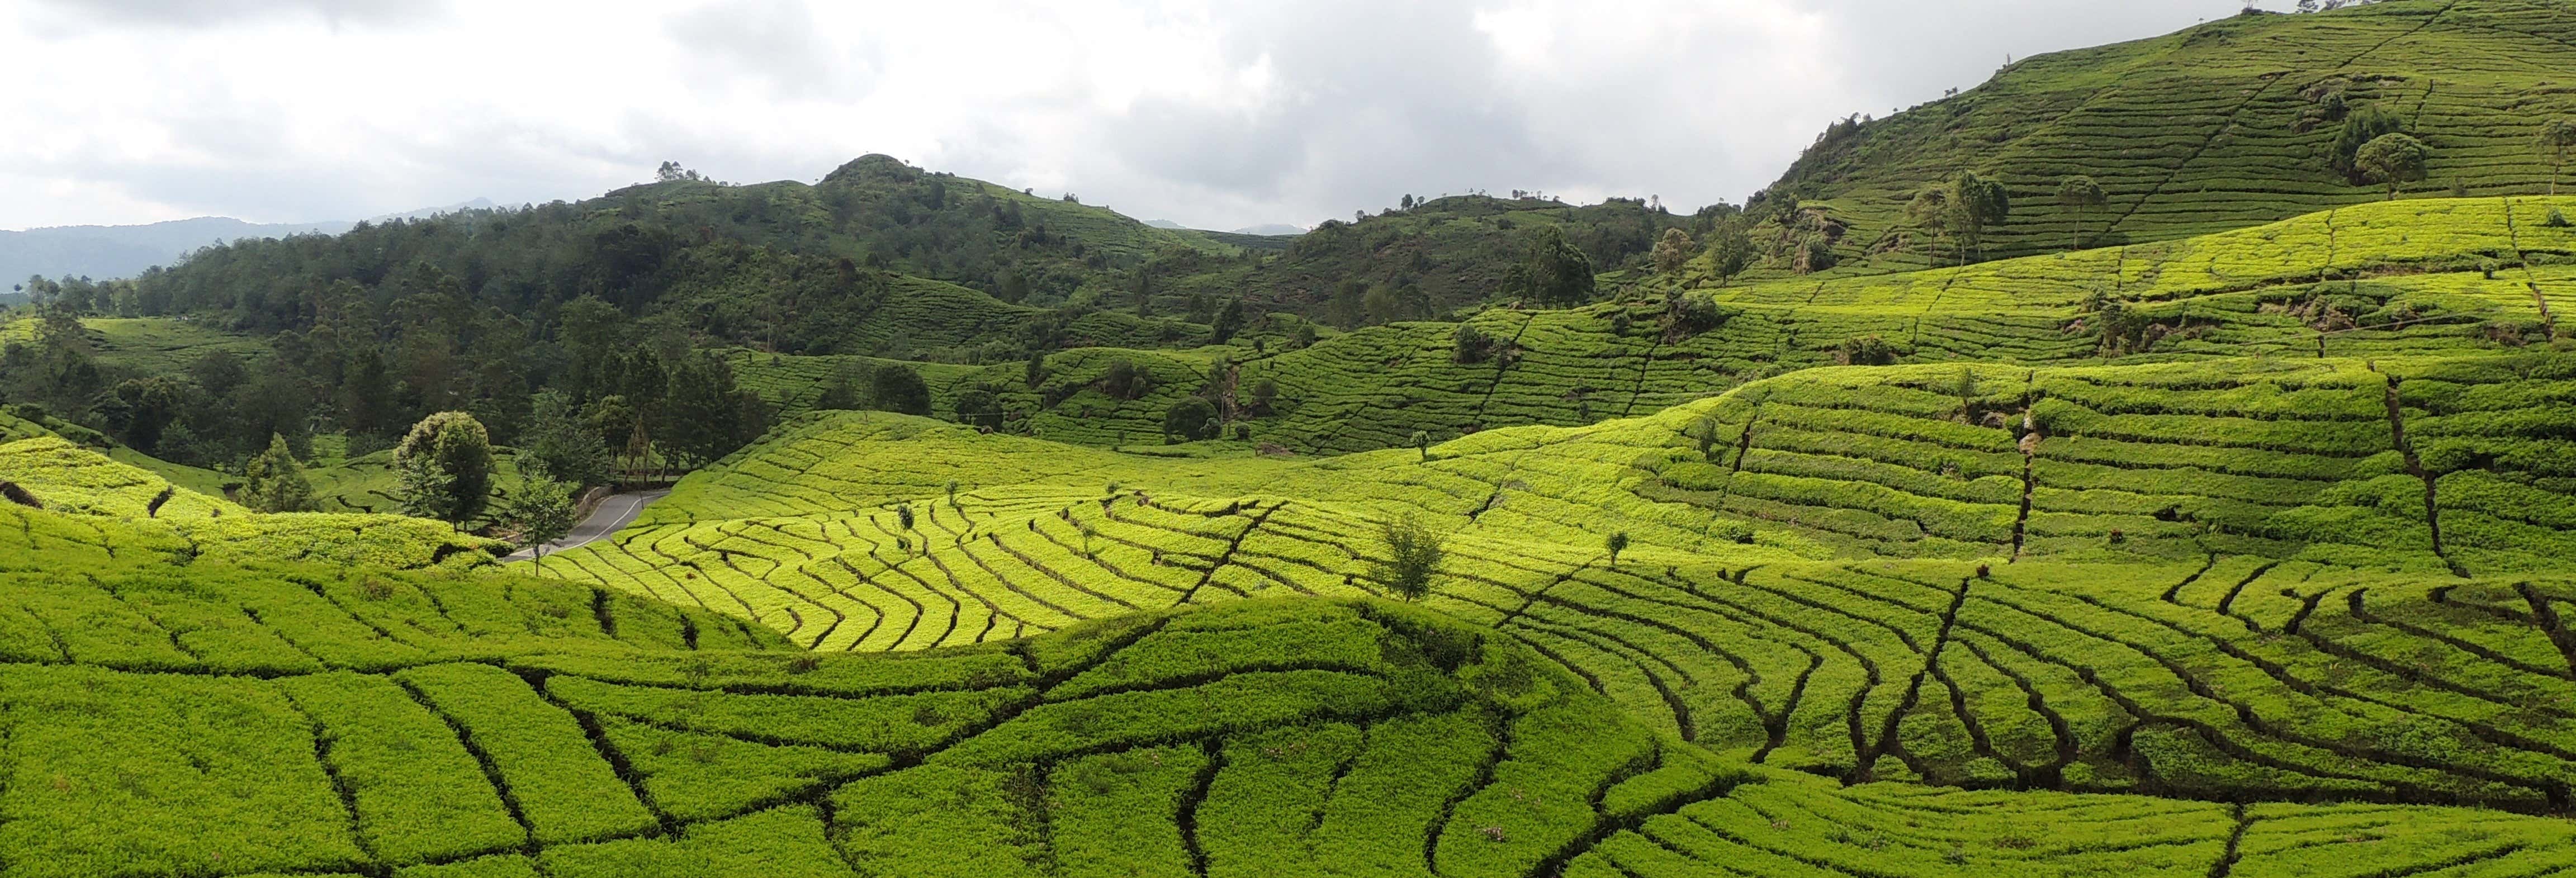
(1866, 350)
(1190, 420)
(2557, 219)
(1414, 553)
(1124, 380)
(899, 388)
(1473, 345)
(979, 408)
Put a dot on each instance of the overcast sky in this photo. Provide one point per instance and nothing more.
(1217, 115)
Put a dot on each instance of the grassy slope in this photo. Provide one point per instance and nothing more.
(2199, 131)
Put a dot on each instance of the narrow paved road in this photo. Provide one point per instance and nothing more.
(613, 515)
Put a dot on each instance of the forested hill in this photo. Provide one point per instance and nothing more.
(783, 263)
(2232, 123)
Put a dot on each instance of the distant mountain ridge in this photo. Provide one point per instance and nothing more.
(104, 252)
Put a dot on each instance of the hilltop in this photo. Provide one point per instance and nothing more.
(2230, 123)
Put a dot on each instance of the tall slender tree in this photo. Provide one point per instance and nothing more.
(2557, 137)
(2082, 195)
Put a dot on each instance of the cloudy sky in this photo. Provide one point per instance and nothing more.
(1217, 115)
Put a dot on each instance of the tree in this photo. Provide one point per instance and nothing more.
(1730, 250)
(1414, 554)
(2359, 128)
(705, 417)
(1422, 443)
(1229, 320)
(1931, 212)
(979, 408)
(2557, 136)
(541, 510)
(840, 395)
(445, 468)
(1189, 420)
(1976, 203)
(1265, 393)
(1124, 381)
(1672, 251)
(2392, 159)
(560, 445)
(1617, 543)
(899, 388)
(2082, 195)
(1551, 271)
(274, 483)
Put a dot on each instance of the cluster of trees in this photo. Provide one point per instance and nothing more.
(370, 368)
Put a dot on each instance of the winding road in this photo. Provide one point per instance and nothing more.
(613, 514)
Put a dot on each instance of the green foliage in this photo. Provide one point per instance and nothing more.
(1672, 250)
(2363, 126)
(1190, 420)
(2555, 138)
(1414, 554)
(561, 446)
(979, 408)
(1866, 350)
(899, 388)
(1550, 271)
(541, 511)
(1730, 251)
(445, 464)
(2393, 159)
(273, 482)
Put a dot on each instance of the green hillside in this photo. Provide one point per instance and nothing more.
(312, 721)
(2219, 532)
(2427, 277)
(2223, 125)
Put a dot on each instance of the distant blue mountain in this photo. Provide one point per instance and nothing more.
(103, 252)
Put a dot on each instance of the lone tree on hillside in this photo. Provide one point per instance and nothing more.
(1414, 553)
(2557, 136)
(2082, 195)
(899, 388)
(1617, 543)
(2360, 127)
(445, 468)
(1189, 420)
(2393, 159)
(1730, 250)
(1229, 320)
(541, 510)
(1551, 271)
(1672, 251)
(980, 409)
(273, 483)
(1422, 443)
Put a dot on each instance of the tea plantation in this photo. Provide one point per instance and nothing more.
(2227, 124)
(2233, 541)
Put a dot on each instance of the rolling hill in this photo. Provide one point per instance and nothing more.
(2224, 125)
(2233, 544)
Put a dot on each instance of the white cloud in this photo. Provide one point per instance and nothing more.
(1217, 114)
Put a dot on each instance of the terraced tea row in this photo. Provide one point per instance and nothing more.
(319, 721)
(56, 496)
